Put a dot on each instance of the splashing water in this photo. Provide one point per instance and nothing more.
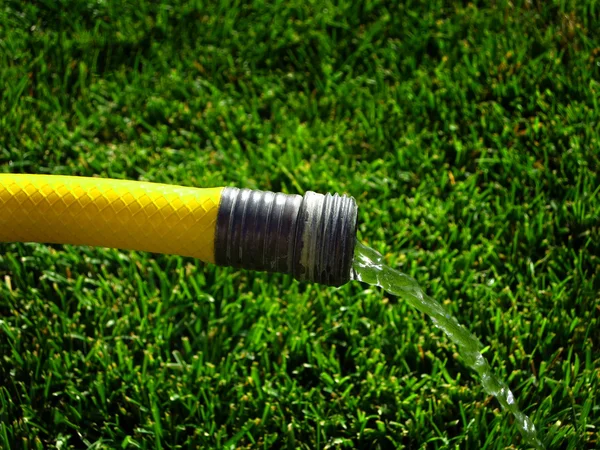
(369, 268)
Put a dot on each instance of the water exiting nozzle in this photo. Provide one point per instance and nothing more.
(311, 237)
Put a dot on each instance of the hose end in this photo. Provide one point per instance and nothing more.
(325, 239)
(311, 237)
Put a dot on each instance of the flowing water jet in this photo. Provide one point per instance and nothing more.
(369, 268)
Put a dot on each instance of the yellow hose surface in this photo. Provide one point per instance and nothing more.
(103, 212)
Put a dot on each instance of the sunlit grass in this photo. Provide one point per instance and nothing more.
(469, 137)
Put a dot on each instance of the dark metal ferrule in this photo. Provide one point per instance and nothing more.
(311, 237)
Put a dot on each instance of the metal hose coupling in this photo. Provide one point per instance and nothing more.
(310, 237)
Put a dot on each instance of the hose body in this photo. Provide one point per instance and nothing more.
(109, 213)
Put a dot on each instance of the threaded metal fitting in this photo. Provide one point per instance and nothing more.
(310, 237)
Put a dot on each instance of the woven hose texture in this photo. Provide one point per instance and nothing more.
(100, 212)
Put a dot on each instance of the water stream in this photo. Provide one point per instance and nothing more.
(370, 268)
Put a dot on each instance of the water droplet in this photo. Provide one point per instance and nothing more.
(510, 398)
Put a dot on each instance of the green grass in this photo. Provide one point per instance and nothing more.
(468, 135)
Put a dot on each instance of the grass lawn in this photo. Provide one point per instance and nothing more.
(468, 135)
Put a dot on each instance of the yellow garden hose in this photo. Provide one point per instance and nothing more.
(109, 213)
(310, 237)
